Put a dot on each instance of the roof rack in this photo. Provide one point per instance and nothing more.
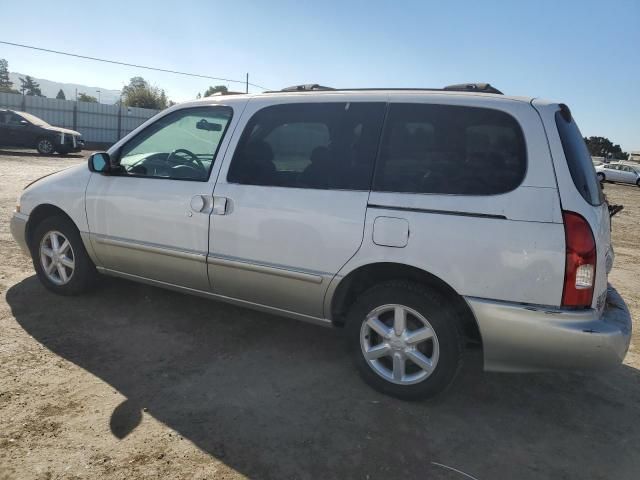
(461, 87)
(309, 87)
(221, 94)
(473, 87)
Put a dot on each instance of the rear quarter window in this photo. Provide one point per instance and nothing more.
(446, 149)
(578, 159)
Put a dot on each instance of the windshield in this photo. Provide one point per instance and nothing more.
(33, 119)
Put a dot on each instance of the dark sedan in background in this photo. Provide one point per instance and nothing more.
(21, 129)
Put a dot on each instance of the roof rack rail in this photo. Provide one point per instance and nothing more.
(228, 92)
(473, 87)
(462, 87)
(306, 88)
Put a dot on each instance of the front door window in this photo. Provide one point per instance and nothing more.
(179, 146)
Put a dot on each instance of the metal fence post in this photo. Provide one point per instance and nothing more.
(119, 121)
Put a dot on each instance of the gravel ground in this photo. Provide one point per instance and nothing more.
(133, 381)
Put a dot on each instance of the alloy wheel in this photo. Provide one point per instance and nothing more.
(57, 258)
(399, 344)
(45, 146)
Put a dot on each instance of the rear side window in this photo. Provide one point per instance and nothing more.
(450, 150)
(578, 159)
(309, 145)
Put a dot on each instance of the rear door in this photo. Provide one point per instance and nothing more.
(290, 204)
(579, 187)
(613, 173)
(16, 131)
(4, 130)
(629, 174)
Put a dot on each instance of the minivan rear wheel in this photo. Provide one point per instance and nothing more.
(405, 340)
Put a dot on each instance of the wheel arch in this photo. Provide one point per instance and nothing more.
(38, 214)
(365, 276)
(45, 136)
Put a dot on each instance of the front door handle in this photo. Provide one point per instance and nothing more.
(201, 203)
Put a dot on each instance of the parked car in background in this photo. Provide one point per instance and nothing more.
(618, 172)
(420, 221)
(21, 129)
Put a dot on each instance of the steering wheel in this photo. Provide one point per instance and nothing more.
(192, 157)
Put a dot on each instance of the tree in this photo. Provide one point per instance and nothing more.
(6, 85)
(30, 87)
(217, 89)
(83, 97)
(61, 95)
(603, 147)
(140, 94)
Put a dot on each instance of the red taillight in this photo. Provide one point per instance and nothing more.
(580, 267)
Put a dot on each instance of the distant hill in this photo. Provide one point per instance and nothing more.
(50, 89)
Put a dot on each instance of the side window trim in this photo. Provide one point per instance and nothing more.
(215, 158)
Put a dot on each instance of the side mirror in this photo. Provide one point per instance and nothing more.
(24, 123)
(100, 162)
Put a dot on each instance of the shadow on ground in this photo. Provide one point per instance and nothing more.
(34, 153)
(274, 398)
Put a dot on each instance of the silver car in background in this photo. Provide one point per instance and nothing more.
(618, 172)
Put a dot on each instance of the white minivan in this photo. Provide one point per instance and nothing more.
(421, 221)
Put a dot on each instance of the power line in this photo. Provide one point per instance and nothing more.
(243, 82)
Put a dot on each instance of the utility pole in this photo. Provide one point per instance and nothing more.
(98, 95)
(247, 85)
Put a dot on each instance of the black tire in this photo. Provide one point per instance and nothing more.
(84, 274)
(638, 182)
(600, 177)
(433, 307)
(45, 146)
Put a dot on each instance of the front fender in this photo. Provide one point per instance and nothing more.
(64, 190)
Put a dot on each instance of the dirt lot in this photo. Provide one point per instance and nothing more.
(136, 382)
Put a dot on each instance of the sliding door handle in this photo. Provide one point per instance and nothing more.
(221, 206)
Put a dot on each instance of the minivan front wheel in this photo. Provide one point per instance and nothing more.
(60, 259)
(45, 146)
(404, 340)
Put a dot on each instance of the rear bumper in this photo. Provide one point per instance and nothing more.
(18, 227)
(518, 338)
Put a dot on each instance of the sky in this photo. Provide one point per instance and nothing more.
(583, 53)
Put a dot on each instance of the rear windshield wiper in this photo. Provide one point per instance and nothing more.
(614, 209)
